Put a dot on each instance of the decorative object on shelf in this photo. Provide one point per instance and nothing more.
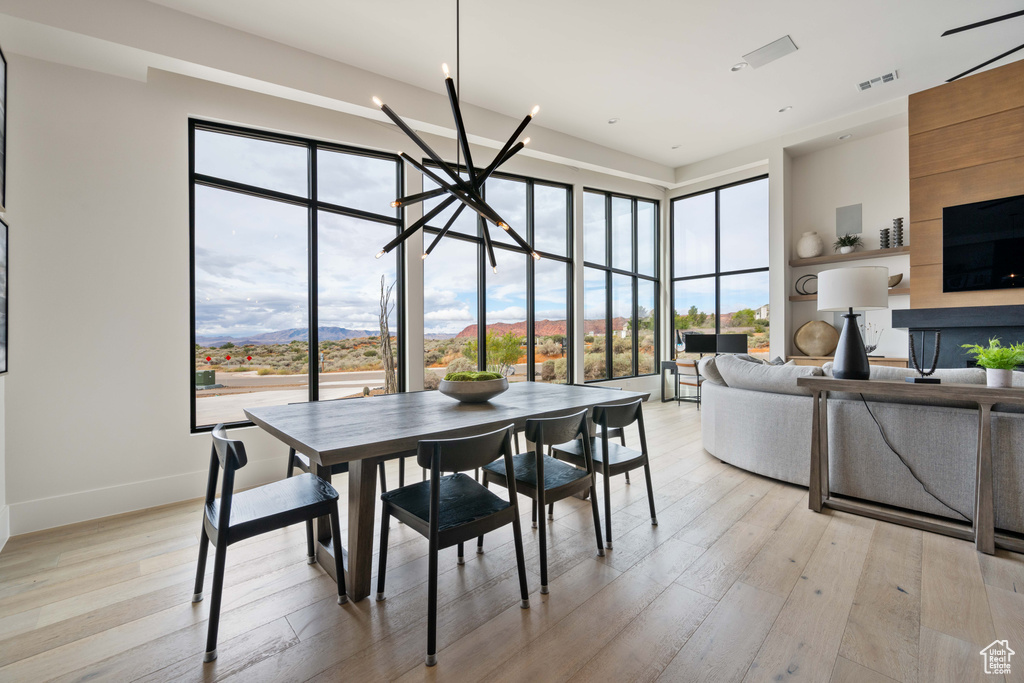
(895, 280)
(872, 335)
(842, 289)
(806, 285)
(473, 387)
(809, 245)
(897, 232)
(816, 338)
(883, 238)
(467, 191)
(847, 243)
(999, 361)
(925, 377)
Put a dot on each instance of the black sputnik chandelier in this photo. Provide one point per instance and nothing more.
(467, 190)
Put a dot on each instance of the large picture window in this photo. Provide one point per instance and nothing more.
(720, 264)
(284, 231)
(620, 281)
(518, 314)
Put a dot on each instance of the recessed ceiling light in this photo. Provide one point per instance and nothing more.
(676, 146)
(785, 109)
(846, 137)
(737, 67)
(613, 120)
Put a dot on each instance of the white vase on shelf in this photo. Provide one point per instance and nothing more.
(845, 250)
(998, 378)
(809, 245)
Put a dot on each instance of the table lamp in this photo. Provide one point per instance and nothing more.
(844, 289)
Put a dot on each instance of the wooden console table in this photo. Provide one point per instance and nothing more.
(873, 360)
(982, 531)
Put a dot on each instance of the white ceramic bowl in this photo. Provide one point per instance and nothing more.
(473, 392)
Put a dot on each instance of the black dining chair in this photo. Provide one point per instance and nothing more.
(237, 516)
(452, 509)
(611, 459)
(546, 480)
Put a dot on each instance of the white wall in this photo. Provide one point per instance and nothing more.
(98, 415)
(5, 510)
(872, 171)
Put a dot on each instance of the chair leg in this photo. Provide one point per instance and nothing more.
(310, 545)
(551, 511)
(218, 587)
(383, 477)
(432, 604)
(204, 544)
(339, 565)
(385, 522)
(480, 539)
(517, 534)
(534, 508)
(650, 494)
(401, 472)
(597, 517)
(291, 461)
(462, 554)
(627, 478)
(543, 546)
(607, 510)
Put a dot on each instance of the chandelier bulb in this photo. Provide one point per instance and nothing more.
(395, 204)
(535, 255)
(503, 226)
(526, 141)
(444, 68)
(424, 256)
(533, 112)
(376, 100)
(381, 253)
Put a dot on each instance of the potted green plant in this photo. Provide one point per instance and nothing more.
(999, 361)
(847, 243)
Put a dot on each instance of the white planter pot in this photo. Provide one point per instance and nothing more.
(999, 378)
(809, 245)
(845, 250)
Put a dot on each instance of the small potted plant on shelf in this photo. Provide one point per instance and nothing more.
(847, 243)
(999, 361)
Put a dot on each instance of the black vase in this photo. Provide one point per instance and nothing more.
(851, 360)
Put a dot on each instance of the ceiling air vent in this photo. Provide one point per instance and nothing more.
(888, 77)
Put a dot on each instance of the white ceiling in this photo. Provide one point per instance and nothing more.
(660, 66)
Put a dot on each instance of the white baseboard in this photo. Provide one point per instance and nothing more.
(5, 525)
(81, 506)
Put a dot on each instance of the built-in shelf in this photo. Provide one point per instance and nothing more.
(896, 291)
(842, 258)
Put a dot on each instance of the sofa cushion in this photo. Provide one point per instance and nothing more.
(776, 379)
(708, 369)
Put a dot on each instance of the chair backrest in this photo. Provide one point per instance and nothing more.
(471, 452)
(618, 415)
(230, 452)
(556, 430)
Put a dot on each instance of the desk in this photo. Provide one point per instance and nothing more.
(363, 431)
(982, 531)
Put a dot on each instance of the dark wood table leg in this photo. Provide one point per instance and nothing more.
(362, 500)
(984, 513)
(814, 481)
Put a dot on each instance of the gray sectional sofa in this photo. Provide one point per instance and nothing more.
(754, 416)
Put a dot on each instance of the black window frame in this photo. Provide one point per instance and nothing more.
(635, 275)
(718, 273)
(483, 265)
(314, 206)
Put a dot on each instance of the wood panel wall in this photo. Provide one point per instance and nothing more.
(966, 145)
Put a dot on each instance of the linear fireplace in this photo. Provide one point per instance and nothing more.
(973, 325)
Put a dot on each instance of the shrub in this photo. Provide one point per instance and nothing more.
(547, 371)
(227, 345)
(593, 366)
(431, 380)
(550, 348)
(461, 364)
(264, 371)
(370, 353)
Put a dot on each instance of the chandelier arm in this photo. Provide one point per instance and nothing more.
(508, 145)
(470, 198)
(418, 197)
(445, 229)
(460, 127)
(490, 248)
(421, 144)
(405, 234)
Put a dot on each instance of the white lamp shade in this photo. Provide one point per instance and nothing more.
(865, 288)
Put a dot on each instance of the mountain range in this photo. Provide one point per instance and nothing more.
(286, 336)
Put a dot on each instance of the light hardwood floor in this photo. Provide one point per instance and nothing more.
(739, 582)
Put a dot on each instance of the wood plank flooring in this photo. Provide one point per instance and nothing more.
(738, 582)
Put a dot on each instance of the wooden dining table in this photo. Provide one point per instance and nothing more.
(364, 431)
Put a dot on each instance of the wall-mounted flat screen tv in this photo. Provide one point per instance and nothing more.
(983, 245)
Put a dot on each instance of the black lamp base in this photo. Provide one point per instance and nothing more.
(851, 360)
(923, 380)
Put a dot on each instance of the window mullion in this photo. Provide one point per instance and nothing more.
(313, 337)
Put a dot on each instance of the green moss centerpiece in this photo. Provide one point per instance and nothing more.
(473, 387)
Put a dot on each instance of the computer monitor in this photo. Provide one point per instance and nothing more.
(732, 343)
(699, 343)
